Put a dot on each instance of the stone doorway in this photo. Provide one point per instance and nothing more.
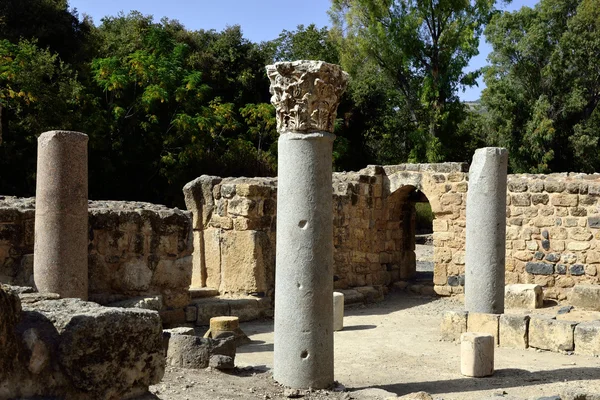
(412, 207)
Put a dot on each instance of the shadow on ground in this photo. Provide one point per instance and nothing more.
(504, 378)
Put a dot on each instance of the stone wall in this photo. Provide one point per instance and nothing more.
(374, 224)
(553, 231)
(553, 226)
(135, 249)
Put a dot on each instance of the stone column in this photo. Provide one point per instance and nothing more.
(60, 262)
(306, 95)
(486, 231)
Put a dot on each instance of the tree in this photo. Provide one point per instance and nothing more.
(543, 85)
(422, 47)
(38, 92)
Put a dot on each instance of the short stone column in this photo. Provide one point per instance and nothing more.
(486, 231)
(338, 311)
(306, 95)
(476, 354)
(60, 263)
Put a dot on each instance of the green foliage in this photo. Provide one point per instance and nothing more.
(422, 47)
(543, 87)
(37, 92)
(424, 217)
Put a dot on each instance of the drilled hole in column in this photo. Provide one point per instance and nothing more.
(302, 224)
(298, 285)
(304, 354)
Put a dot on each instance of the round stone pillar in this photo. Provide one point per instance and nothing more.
(486, 231)
(60, 263)
(306, 95)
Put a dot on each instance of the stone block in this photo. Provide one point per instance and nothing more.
(208, 308)
(587, 338)
(247, 262)
(538, 268)
(147, 303)
(513, 330)
(585, 296)
(528, 296)
(103, 352)
(191, 314)
(194, 352)
(476, 354)
(549, 334)
(454, 323)
(483, 323)
(246, 309)
(173, 317)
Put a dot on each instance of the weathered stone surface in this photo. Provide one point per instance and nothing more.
(61, 214)
(587, 338)
(146, 303)
(538, 268)
(513, 330)
(194, 352)
(486, 231)
(483, 323)
(549, 334)
(454, 323)
(182, 330)
(477, 354)
(74, 349)
(523, 295)
(306, 94)
(585, 296)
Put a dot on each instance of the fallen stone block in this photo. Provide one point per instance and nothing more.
(476, 354)
(194, 352)
(585, 296)
(549, 334)
(69, 348)
(454, 323)
(513, 330)
(587, 338)
(529, 296)
(483, 323)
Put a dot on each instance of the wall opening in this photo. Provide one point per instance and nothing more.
(412, 207)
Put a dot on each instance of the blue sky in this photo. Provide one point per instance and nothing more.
(260, 19)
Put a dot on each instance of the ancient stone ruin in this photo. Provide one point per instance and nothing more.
(110, 275)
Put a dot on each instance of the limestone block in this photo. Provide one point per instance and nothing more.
(199, 199)
(549, 334)
(208, 308)
(476, 354)
(483, 323)
(513, 330)
(587, 338)
(523, 295)
(244, 262)
(211, 262)
(585, 296)
(454, 323)
(105, 352)
(245, 308)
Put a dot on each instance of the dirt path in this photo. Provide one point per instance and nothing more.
(392, 348)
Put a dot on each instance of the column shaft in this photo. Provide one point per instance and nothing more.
(61, 215)
(486, 231)
(303, 352)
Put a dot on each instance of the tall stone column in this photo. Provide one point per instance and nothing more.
(486, 231)
(306, 95)
(60, 262)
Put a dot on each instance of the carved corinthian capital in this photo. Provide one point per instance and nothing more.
(306, 95)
